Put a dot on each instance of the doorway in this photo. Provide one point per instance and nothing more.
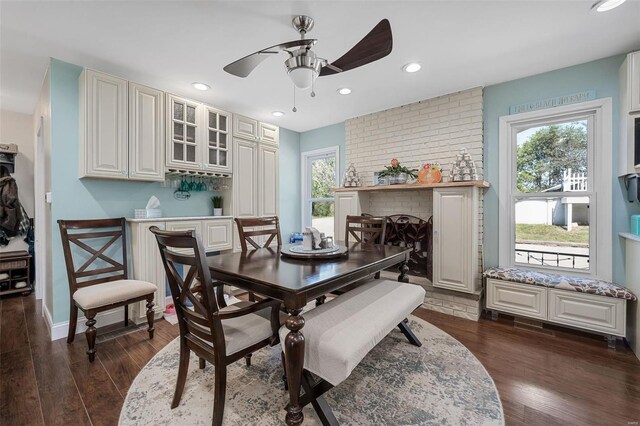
(319, 177)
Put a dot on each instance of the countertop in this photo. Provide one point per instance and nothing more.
(628, 236)
(176, 219)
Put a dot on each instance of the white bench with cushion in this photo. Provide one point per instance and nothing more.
(339, 334)
(584, 303)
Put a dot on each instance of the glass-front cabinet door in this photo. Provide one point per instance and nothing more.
(217, 149)
(182, 131)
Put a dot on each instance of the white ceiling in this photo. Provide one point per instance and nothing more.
(171, 44)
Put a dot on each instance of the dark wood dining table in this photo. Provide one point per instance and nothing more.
(298, 281)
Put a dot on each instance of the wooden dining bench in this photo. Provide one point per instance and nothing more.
(342, 331)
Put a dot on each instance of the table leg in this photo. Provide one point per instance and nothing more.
(294, 356)
(404, 269)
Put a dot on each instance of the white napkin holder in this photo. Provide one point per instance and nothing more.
(151, 211)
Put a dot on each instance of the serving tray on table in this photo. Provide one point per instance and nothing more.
(298, 252)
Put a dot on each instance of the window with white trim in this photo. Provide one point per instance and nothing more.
(555, 189)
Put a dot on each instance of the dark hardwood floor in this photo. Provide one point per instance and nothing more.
(544, 377)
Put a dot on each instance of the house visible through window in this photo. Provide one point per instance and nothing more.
(552, 196)
(555, 189)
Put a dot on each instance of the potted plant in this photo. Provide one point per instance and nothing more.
(397, 174)
(217, 205)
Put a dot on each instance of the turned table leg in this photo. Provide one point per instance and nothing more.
(294, 356)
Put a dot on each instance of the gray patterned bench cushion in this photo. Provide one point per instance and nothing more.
(560, 282)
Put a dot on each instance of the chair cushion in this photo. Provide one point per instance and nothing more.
(560, 282)
(340, 333)
(244, 331)
(108, 293)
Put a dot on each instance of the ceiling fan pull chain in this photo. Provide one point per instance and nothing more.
(294, 99)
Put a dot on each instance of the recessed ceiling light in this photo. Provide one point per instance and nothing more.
(412, 67)
(344, 91)
(606, 5)
(277, 113)
(201, 86)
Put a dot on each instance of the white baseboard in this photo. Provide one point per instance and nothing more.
(61, 329)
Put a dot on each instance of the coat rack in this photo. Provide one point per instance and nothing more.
(8, 153)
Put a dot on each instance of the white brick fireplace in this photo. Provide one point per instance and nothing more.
(432, 130)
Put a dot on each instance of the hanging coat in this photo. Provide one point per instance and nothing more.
(10, 209)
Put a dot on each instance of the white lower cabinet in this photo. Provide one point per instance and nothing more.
(147, 266)
(518, 299)
(455, 238)
(215, 233)
(587, 311)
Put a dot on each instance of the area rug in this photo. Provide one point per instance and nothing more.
(396, 384)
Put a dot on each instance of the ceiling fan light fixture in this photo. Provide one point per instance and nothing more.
(277, 113)
(200, 86)
(344, 91)
(412, 67)
(606, 5)
(303, 68)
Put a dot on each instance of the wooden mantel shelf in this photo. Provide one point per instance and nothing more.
(414, 186)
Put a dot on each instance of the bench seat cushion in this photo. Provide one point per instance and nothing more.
(560, 282)
(339, 333)
(104, 294)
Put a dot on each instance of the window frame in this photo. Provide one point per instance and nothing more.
(305, 158)
(599, 185)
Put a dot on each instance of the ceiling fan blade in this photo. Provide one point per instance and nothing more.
(375, 45)
(243, 67)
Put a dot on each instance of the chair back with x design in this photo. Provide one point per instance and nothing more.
(94, 239)
(196, 298)
(269, 226)
(365, 229)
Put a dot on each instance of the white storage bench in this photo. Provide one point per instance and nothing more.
(583, 303)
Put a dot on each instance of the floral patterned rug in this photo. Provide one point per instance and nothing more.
(396, 384)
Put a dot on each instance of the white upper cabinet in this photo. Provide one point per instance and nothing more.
(634, 81)
(245, 127)
(103, 126)
(269, 133)
(245, 180)
(121, 129)
(184, 121)
(217, 149)
(268, 164)
(146, 133)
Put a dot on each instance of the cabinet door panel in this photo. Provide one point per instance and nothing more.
(186, 225)
(346, 205)
(217, 234)
(519, 299)
(104, 117)
(184, 138)
(147, 266)
(146, 133)
(215, 142)
(245, 179)
(634, 78)
(269, 133)
(268, 180)
(245, 127)
(586, 311)
(455, 239)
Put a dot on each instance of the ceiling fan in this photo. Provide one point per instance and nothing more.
(303, 66)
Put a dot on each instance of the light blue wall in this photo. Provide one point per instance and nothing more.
(601, 76)
(324, 137)
(289, 183)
